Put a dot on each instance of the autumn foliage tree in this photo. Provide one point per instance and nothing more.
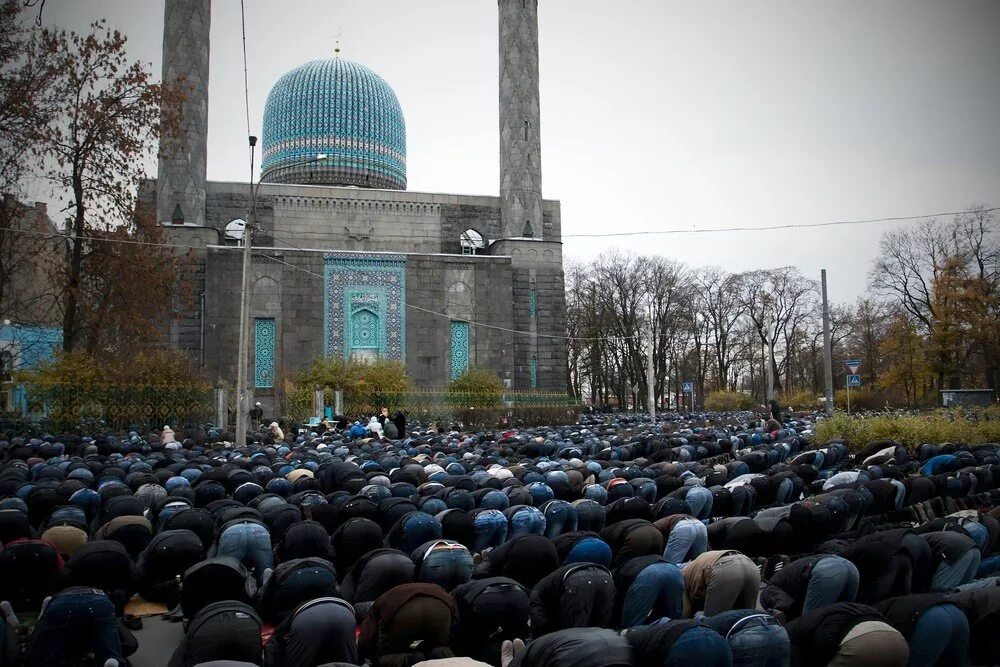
(102, 129)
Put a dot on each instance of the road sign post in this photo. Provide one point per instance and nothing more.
(852, 379)
(688, 388)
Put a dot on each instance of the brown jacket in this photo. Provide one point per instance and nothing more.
(389, 603)
(696, 576)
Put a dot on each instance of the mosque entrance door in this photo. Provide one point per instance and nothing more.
(365, 335)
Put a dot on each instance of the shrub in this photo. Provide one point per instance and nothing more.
(913, 430)
(476, 386)
(863, 399)
(728, 401)
(367, 386)
(804, 400)
(146, 391)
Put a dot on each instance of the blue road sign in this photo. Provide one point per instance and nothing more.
(853, 380)
(688, 387)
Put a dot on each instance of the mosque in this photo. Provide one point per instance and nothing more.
(346, 261)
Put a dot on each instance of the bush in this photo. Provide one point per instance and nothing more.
(863, 399)
(913, 430)
(146, 391)
(804, 400)
(728, 401)
(476, 386)
(367, 386)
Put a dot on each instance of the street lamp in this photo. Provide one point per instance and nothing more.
(241, 362)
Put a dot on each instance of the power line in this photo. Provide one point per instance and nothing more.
(767, 228)
(481, 325)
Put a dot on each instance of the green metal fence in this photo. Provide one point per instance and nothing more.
(121, 407)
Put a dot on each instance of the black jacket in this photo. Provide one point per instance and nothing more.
(574, 596)
(786, 590)
(903, 612)
(816, 636)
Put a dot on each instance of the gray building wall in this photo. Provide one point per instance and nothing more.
(298, 223)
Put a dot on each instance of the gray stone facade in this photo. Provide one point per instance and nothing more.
(299, 223)
(183, 155)
(520, 142)
(510, 292)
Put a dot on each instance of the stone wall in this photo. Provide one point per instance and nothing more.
(298, 223)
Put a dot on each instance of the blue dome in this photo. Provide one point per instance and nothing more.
(340, 109)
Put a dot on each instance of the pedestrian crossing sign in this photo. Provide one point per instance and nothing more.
(853, 380)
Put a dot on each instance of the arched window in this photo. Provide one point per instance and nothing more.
(528, 231)
(235, 231)
(472, 242)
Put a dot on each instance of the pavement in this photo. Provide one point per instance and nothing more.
(157, 641)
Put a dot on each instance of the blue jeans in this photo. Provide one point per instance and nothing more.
(948, 576)
(658, 592)
(988, 567)
(80, 619)
(590, 550)
(833, 579)
(783, 495)
(979, 533)
(699, 499)
(758, 641)
(699, 646)
(940, 637)
(418, 528)
(560, 517)
(526, 521)
(590, 515)
(491, 530)
(447, 567)
(688, 539)
(249, 543)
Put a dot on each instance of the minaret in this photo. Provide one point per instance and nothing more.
(520, 146)
(180, 178)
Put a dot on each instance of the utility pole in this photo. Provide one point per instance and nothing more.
(650, 388)
(827, 351)
(770, 371)
(241, 364)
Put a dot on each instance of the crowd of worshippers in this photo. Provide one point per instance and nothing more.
(612, 542)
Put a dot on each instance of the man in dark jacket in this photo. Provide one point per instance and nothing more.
(891, 563)
(577, 647)
(676, 643)
(319, 631)
(810, 583)
(846, 634)
(936, 630)
(955, 558)
(574, 596)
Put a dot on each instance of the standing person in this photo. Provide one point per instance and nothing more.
(775, 410)
(256, 415)
(400, 421)
(383, 416)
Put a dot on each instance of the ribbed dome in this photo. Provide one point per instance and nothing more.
(341, 109)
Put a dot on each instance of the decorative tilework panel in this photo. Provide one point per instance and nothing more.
(534, 372)
(264, 346)
(364, 309)
(459, 348)
(533, 303)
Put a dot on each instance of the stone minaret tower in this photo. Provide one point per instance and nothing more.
(520, 146)
(180, 180)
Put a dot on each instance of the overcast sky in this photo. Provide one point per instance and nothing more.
(656, 114)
